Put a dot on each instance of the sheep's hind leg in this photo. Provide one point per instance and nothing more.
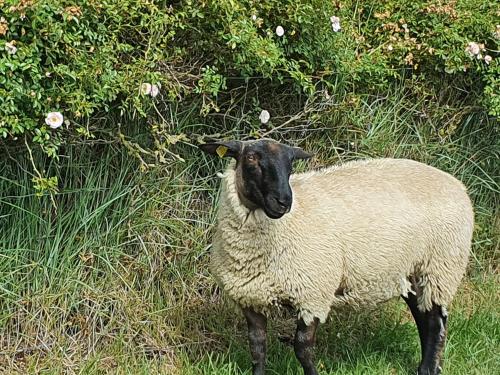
(305, 337)
(432, 331)
(420, 320)
(257, 339)
(436, 336)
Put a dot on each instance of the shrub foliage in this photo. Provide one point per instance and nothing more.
(87, 58)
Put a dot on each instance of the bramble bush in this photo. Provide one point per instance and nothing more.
(90, 59)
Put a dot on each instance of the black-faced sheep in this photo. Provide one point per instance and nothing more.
(356, 234)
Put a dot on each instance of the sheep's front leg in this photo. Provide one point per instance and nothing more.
(257, 338)
(305, 337)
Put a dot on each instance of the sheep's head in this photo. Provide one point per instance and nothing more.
(263, 169)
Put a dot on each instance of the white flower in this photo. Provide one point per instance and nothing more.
(155, 90)
(335, 23)
(280, 31)
(264, 116)
(146, 88)
(390, 47)
(54, 119)
(488, 59)
(10, 48)
(254, 17)
(473, 49)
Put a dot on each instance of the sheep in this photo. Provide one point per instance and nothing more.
(352, 235)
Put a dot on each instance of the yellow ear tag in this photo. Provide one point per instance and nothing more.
(221, 151)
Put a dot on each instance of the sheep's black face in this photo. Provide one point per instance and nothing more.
(263, 171)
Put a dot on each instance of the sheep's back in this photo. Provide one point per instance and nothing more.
(390, 218)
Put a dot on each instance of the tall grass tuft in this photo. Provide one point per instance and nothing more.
(113, 278)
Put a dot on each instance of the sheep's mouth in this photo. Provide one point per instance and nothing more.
(275, 214)
(276, 205)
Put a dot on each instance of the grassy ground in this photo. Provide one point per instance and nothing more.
(384, 341)
(115, 279)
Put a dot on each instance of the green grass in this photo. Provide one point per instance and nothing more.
(383, 341)
(115, 279)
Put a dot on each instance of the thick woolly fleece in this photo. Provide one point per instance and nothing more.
(356, 235)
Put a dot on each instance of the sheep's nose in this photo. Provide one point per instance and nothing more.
(284, 203)
(281, 202)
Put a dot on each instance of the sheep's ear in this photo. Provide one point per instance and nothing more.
(298, 153)
(223, 148)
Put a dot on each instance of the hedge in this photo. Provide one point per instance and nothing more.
(89, 59)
